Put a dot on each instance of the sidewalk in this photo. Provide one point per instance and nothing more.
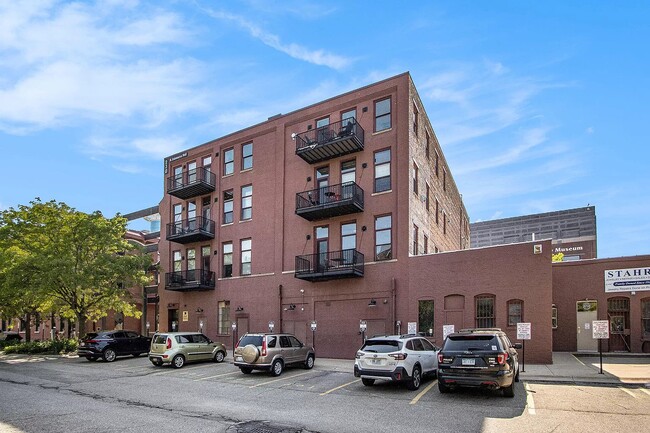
(567, 367)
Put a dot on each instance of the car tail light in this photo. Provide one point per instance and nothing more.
(264, 347)
(501, 358)
(169, 343)
(92, 341)
(398, 356)
(358, 355)
(440, 358)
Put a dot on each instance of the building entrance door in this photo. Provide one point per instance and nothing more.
(586, 312)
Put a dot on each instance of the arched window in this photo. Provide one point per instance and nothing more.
(485, 311)
(645, 318)
(515, 312)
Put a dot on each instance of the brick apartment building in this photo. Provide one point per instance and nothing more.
(309, 216)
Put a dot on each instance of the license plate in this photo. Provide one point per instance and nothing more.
(468, 361)
(238, 358)
(375, 361)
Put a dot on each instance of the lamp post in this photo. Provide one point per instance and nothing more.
(148, 325)
(200, 325)
(313, 334)
(362, 329)
(271, 325)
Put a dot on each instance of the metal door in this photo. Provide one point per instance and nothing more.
(586, 312)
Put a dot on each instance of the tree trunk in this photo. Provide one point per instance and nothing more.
(28, 327)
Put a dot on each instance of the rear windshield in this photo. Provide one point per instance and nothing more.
(255, 340)
(90, 336)
(382, 346)
(160, 339)
(472, 343)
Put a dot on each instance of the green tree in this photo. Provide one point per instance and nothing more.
(558, 257)
(68, 261)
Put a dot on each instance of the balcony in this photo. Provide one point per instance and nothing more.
(190, 280)
(329, 266)
(331, 141)
(190, 230)
(191, 183)
(329, 201)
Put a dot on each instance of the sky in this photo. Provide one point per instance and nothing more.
(538, 106)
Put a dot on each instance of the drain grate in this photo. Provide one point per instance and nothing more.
(263, 427)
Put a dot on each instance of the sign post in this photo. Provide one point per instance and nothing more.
(600, 330)
(362, 329)
(523, 334)
(234, 329)
(313, 333)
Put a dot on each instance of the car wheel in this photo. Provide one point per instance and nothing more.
(109, 355)
(178, 361)
(157, 363)
(91, 358)
(509, 391)
(368, 382)
(444, 389)
(246, 370)
(277, 367)
(309, 364)
(219, 356)
(416, 379)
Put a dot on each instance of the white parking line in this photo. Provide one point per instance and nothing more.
(417, 397)
(217, 375)
(530, 403)
(628, 392)
(277, 380)
(339, 387)
(645, 390)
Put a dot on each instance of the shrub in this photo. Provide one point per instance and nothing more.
(51, 347)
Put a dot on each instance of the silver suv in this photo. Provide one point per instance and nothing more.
(272, 352)
(399, 358)
(177, 348)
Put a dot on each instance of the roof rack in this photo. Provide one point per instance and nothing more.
(481, 329)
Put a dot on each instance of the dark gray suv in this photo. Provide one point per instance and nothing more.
(479, 358)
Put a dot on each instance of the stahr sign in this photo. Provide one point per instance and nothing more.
(627, 280)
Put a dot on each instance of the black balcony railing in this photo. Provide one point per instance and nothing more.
(191, 183)
(331, 141)
(329, 266)
(190, 230)
(189, 280)
(329, 201)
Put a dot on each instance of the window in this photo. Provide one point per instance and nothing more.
(444, 180)
(645, 318)
(485, 311)
(191, 259)
(178, 177)
(416, 118)
(427, 191)
(444, 223)
(227, 206)
(437, 212)
(223, 319)
(228, 161)
(382, 115)
(515, 312)
(176, 257)
(205, 259)
(436, 164)
(426, 244)
(427, 144)
(246, 202)
(227, 259)
(350, 114)
(349, 236)
(247, 156)
(554, 316)
(415, 240)
(205, 212)
(425, 317)
(246, 245)
(191, 215)
(191, 172)
(348, 171)
(382, 170)
(322, 122)
(383, 238)
(207, 165)
(415, 178)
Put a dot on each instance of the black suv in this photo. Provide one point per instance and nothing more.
(479, 358)
(111, 344)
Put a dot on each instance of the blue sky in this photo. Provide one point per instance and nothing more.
(537, 106)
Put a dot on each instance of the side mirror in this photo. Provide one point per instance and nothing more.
(518, 345)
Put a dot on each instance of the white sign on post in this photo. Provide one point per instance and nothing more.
(600, 329)
(412, 327)
(446, 330)
(523, 331)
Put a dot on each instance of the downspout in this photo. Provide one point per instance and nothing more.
(394, 304)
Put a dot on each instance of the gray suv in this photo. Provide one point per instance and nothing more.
(479, 358)
(272, 352)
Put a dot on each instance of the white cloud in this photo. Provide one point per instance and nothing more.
(317, 57)
(134, 149)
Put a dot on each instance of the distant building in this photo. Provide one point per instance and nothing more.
(572, 232)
